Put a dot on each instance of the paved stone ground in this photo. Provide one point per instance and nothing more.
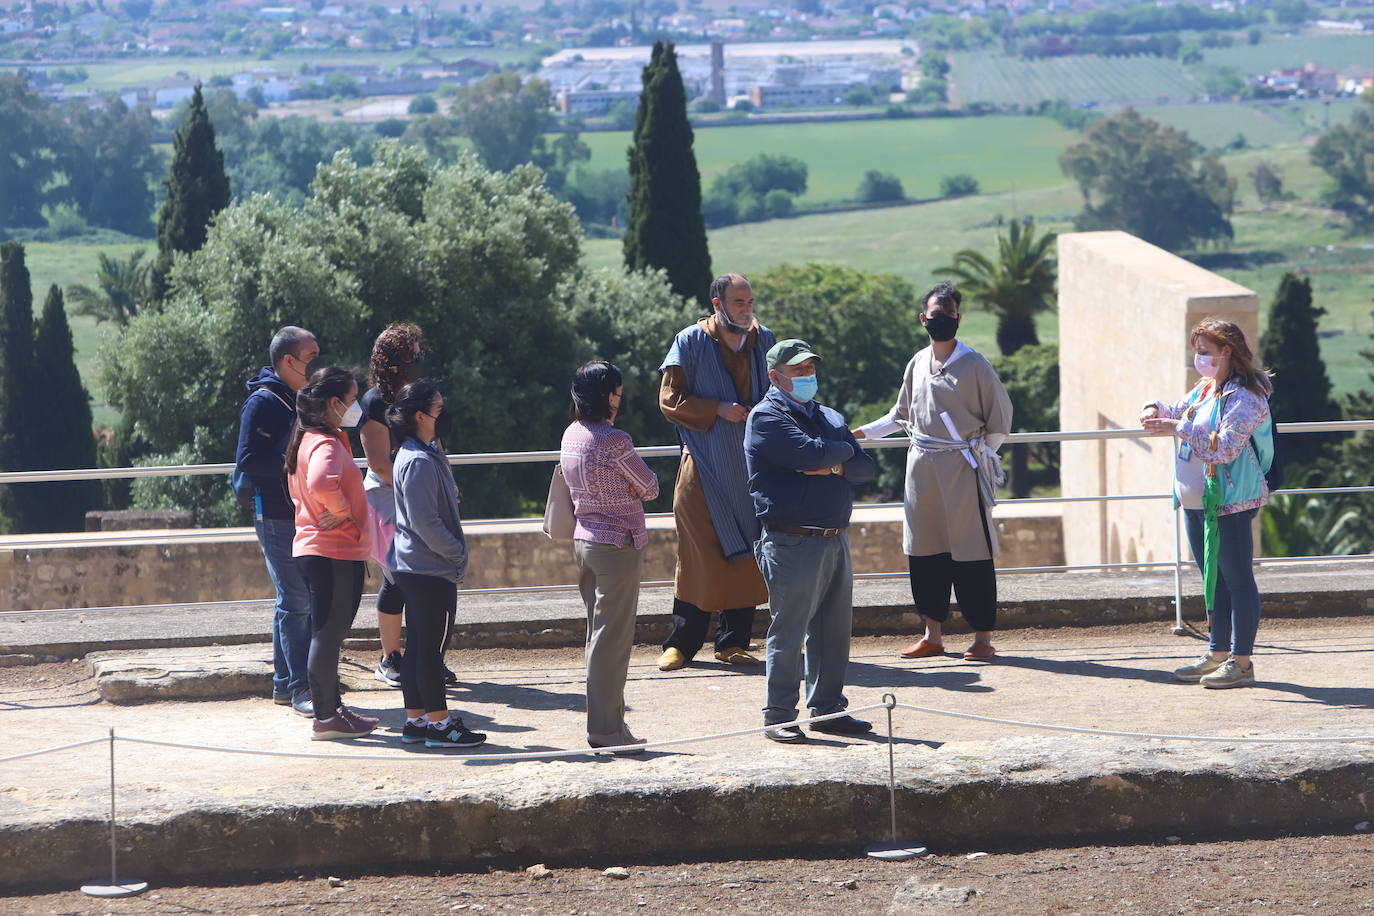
(552, 618)
(1314, 681)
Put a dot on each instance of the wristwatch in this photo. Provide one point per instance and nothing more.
(837, 469)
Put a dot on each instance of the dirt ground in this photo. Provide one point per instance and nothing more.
(1312, 876)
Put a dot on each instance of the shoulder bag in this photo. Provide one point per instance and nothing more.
(559, 521)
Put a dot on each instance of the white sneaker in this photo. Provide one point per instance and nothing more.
(1230, 674)
(1197, 670)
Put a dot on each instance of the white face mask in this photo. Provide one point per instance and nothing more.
(1206, 366)
(351, 416)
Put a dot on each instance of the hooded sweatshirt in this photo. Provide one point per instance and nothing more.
(265, 425)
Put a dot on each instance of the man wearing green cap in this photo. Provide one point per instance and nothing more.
(803, 464)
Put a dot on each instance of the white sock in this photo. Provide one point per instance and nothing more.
(442, 724)
(418, 720)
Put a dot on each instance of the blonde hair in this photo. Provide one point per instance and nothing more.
(1222, 333)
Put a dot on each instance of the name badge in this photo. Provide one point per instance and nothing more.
(1185, 451)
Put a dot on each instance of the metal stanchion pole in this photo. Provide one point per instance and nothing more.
(892, 851)
(115, 888)
(1179, 628)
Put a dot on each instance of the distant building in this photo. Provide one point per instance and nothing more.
(277, 13)
(805, 95)
(595, 101)
(171, 93)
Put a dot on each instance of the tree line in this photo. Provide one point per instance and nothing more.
(488, 262)
(94, 163)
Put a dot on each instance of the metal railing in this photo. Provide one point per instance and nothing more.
(672, 451)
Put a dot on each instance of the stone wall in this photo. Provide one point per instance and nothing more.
(1125, 309)
(171, 567)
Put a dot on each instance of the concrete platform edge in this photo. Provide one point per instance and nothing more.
(1313, 792)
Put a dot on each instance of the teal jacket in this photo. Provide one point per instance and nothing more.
(1240, 417)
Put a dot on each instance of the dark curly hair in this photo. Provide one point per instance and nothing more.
(394, 350)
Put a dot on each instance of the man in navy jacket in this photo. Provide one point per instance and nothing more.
(265, 425)
(803, 465)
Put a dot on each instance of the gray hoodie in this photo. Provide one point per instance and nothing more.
(429, 533)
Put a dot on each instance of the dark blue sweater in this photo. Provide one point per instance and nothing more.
(265, 425)
(783, 438)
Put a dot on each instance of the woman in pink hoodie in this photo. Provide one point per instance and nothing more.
(332, 537)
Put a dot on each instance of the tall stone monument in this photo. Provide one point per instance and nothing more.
(1125, 309)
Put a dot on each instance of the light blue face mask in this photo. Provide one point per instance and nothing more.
(804, 387)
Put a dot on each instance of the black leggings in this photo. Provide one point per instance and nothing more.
(390, 600)
(336, 590)
(974, 582)
(431, 603)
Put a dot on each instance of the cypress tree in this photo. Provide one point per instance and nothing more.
(1302, 389)
(16, 378)
(665, 227)
(197, 189)
(61, 434)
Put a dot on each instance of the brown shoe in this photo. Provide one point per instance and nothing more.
(671, 660)
(980, 652)
(923, 648)
(736, 656)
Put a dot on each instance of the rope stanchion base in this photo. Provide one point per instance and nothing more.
(894, 852)
(126, 888)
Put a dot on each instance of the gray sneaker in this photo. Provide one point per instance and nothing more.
(1197, 670)
(1230, 674)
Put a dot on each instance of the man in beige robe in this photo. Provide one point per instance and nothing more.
(957, 413)
(714, 373)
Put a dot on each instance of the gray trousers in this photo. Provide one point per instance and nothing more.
(609, 582)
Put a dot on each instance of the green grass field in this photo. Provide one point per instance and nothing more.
(1006, 80)
(1214, 125)
(65, 264)
(110, 75)
(1003, 152)
(1331, 50)
(913, 242)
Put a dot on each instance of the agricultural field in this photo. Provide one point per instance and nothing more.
(110, 75)
(1262, 124)
(1325, 49)
(914, 241)
(64, 264)
(1005, 80)
(1004, 152)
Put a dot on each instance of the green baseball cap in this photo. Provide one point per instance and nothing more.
(790, 352)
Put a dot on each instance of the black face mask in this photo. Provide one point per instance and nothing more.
(941, 327)
(410, 372)
(443, 424)
(315, 365)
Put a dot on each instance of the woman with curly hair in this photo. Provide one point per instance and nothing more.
(397, 360)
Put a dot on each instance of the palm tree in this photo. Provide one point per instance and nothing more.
(1016, 287)
(122, 290)
(1309, 526)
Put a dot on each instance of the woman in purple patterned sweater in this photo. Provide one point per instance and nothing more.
(610, 484)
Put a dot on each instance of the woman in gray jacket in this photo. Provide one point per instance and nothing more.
(429, 557)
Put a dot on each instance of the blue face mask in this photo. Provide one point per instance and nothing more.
(804, 387)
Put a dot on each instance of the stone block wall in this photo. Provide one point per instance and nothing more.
(175, 568)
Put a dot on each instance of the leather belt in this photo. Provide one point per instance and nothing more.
(798, 529)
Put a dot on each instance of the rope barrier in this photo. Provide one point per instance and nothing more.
(54, 750)
(1222, 739)
(673, 742)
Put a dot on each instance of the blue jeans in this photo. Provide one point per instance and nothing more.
(811, 601)
(291, 619)
(1236, 611)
